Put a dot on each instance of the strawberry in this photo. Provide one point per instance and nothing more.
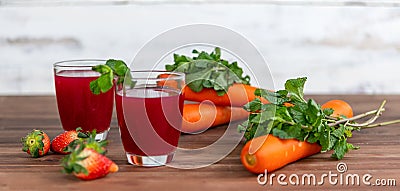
(60, 143)
(36, 143)
(87, 164)
(86, 160)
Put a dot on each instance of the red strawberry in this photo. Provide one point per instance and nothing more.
(87, 164)
(62, 140)
(36, 143)
(86, 160)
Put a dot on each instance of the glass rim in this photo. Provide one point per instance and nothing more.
(73, 63)
(177, 75)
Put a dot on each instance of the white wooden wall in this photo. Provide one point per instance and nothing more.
(342, 46)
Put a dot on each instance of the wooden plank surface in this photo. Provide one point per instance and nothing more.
(379, 155)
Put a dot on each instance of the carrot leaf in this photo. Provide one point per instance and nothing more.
(208, 70)
(295, 88)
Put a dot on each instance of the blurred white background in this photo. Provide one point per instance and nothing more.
(342, 47)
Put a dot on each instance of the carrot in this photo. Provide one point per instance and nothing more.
(340, 107)
(199, 117)
(169, 82)
(272, 153)
(237, 95)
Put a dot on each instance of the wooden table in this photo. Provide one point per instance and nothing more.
(379, 155)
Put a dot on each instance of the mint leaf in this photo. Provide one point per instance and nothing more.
(94, 87)
(106, 80)
(102, 69)
(120, 69)
(112, 63)
(118, 66)
(103, 83)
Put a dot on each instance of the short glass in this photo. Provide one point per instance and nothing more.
(77, 105)
(149, 112)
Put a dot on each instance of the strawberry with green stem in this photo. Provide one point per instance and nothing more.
(36, 143)
(60, 143)
(86, 160)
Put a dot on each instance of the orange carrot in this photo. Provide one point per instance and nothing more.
(237, 95)
(340, 107)
(272, 153)
(169, 82)
(200, 117)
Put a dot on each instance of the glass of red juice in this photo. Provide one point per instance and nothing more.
(149, 111)
(77, 105)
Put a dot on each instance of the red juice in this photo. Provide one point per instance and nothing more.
(150, 120)
(78, 106)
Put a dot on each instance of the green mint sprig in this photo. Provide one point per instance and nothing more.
(302, 119)
(106, 80)
(208, 70)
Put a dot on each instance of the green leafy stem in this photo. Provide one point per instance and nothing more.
(112, 68)
(290, 116)
(208, 70)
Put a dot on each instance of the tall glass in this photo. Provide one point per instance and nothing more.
(149, 112)
(77, 105)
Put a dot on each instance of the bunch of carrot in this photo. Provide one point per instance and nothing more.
(265, 152)
(262, 153)
(210, 109)
(232, 98)
(270, 153)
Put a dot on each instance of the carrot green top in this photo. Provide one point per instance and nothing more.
(208, 70)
